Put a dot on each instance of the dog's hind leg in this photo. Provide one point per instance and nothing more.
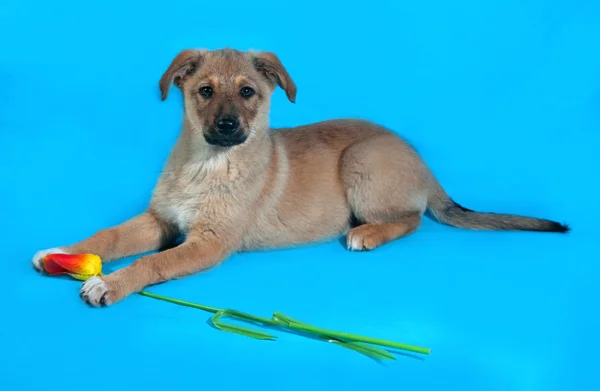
(386, 187)
(370, 236)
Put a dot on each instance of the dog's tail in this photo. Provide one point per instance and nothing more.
(449, 212)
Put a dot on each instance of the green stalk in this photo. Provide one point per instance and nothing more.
(180, 302)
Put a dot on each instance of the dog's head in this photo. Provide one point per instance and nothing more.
(226, 92)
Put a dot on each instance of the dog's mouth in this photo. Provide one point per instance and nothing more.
(225, 140)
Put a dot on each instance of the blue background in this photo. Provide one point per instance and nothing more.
(501, 97)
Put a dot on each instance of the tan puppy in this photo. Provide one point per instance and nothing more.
(232, 184)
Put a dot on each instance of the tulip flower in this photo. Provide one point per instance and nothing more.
(84, 266)
(79, 266)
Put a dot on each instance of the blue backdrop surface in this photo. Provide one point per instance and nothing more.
(501, 97)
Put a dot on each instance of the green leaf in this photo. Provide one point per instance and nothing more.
(367, 350)
(241, 330)
(363, 348)
(341, 336)
(284, 320)
(245, 331)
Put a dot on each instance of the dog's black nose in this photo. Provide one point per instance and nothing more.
(227, 124)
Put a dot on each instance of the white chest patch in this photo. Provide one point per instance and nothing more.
(181, 195)
(182, 216)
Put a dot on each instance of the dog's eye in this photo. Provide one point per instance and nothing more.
(206, 91)
(246, 92)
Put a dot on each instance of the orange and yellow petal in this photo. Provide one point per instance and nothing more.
(73, 264)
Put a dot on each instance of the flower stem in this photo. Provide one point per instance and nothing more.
(180, 302)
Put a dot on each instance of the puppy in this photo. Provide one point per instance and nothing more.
(233, 184)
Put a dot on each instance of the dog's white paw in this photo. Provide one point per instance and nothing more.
(94, 291)
(364, 238)
(354, 243)
(39, 256)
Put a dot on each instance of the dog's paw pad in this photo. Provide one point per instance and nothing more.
(39, 256)
(95, 292)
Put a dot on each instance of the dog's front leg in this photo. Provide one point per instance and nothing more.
(143, 233)
(201, 250)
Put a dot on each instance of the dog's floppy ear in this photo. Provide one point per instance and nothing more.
(186, 62)
(269, 65)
